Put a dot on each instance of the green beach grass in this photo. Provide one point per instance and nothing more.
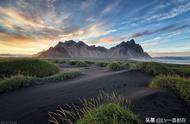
(108, 113)
(22, 72)
(26, 66)
(79, 63)
(62, 76)
(16, 82)
(102, 64)
(178, 84)
(103, 109)
(115, 66)
(19, 81)
(155, 69)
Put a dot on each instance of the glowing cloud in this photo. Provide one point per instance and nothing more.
(29, 26)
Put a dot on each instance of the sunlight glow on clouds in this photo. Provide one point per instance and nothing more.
(29, 26)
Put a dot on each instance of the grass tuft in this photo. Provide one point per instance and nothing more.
(16, 82)
(57, 61)
(102, 64)
(81, 64)
(73, 62)
(103, 109)
(63, 76)
(176, 83)
(89, 62)
(182, 71)
(78, 63)
(155, 68)
(109, 113)
(115, 66)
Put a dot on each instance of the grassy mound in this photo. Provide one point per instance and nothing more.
(89, 62)
(114, 66)
(16, 82)
(73, 62)
(28, 67)
(57, 61)
(81, 64)
(182, 71)
(176, 83)
(78, 63)
(102, 64)
(63, 76)
(109, 113)
(155, 68)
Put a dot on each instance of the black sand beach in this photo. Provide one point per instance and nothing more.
(31, 105)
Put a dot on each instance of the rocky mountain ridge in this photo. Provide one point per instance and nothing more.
(80, 50)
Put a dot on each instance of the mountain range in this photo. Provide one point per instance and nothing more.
(80, 50)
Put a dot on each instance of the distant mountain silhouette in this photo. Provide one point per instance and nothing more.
(80, 50)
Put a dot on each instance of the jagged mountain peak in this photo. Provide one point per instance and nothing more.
(81, 43)
(72, 49)
(127, 43)
(60, 44)
(131, 42)
(69, 43)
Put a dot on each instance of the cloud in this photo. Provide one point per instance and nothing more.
(110, 7)
(181, 27)
(7, 15)
(91, 19)
(52, 1)
(139, 34)
(109, 40)
(22, 3)
(141, 8)
(152, 42)
(14, 37)
(158, 11)
(168, 28)
(41, 23)
(176, 11)
(107, 9)
(24, 26)
(87, 4)
(92, 31)
(37, 28)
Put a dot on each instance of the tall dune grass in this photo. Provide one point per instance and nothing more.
(103, 109)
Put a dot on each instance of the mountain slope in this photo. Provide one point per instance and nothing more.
(80, 50)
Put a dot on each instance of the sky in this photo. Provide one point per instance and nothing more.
(162, 27)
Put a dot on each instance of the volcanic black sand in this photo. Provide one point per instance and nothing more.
(31, 105)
